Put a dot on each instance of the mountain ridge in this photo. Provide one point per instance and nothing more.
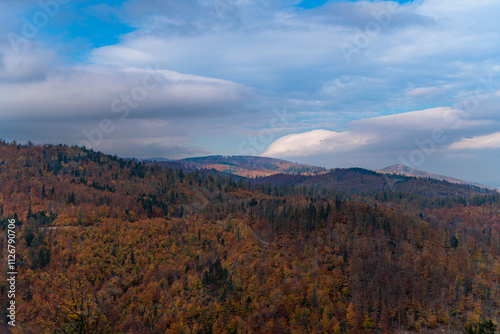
(243, 165)
(359, 181)
(401, 169)
(260, 167)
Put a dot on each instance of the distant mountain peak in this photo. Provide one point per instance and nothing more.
(409, 171)
(399, 167)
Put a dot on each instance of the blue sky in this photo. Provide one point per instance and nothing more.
(318, 3)
(332, 83)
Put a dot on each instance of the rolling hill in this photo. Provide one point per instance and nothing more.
(408, 171)
(245, 166)
(348, 181)
(357, 180)
(111, 245)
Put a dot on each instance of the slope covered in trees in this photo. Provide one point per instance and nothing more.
(408, 171)
(246, 166)
(362, 181)
(106, 245)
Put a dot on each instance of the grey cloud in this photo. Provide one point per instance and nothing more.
(89, 93)
(24, 67)
(389, 14)
(123, 149)
(184, 18)
(126, 138)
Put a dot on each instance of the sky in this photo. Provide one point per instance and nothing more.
(331, 83)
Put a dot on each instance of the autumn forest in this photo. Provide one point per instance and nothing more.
(111, 245)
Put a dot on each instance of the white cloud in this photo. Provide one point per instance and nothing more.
(379, 135)
(490, 141)
(315, 142)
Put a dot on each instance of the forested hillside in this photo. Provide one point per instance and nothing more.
(408, 171)
(358, 181)
(106, 245)
(246, 166)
